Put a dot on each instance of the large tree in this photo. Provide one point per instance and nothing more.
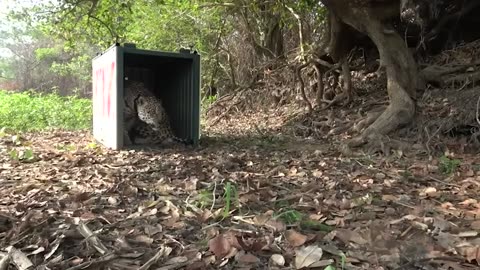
(371, 17)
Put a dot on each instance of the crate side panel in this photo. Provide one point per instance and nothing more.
(105, 98)
(177, 93)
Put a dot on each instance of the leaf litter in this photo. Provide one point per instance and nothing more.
(72, 204)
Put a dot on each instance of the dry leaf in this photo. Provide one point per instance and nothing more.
(220, 246)
(276, 225)
(306, 256)
(294, 238)
(471, 253)
(246, 258)
(317, 173)
(143, 239)
(468, 234)
(475, 225)
(350, 236)
(389, 198)
(277, 260)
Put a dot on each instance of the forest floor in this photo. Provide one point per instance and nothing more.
(247, 201)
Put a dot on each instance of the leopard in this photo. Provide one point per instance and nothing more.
(143, 133)
(146, 120)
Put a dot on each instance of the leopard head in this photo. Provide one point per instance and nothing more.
(151, 111)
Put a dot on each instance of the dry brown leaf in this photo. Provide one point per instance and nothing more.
(191, 184)
(306, 256)
(468, 202)
(348, 236)
(143, 239)
(261, 220)
(276, 225)
(470, 253)
(220, 246)
(246, 258)
(295, 238)
(389, 198)
(475, 225)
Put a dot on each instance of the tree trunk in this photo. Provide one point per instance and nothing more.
(367, 17)
(274, 37)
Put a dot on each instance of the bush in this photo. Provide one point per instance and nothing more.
(29, 111)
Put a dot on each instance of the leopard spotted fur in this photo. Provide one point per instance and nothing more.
(146, 121)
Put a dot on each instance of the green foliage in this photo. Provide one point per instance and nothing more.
(290, 216)
(206, 102)
(25, 155)
(77, 30)
(309, 224)
(448, 165)
(230, 194)
(28, 111)
(204, 198)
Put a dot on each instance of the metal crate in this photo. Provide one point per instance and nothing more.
(173, 77)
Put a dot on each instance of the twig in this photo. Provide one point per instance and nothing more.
(225, 113)
(443, 182)
(405, 266)
(83, 229)
(164, 251)
(478, 110)
(213, 195)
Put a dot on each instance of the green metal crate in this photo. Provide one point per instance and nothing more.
(174, 77)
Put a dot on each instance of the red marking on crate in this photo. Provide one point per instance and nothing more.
(102, 91)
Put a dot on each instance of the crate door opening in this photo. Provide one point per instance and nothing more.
(160, 97)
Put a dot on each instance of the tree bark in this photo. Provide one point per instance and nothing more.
(367, 17)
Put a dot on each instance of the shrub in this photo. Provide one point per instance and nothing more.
(30, 111)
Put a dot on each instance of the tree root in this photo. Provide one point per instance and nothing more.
(302, 85)
(371, 117)
(336, 100)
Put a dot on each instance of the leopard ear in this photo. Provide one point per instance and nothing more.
(140, 100)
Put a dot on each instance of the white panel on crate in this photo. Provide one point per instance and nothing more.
(105, 95)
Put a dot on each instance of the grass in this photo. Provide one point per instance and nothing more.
(30, 111)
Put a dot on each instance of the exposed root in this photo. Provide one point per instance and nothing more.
(347, 81)
(336, 100)
(371, 117)
(320, 86)
(302, 85)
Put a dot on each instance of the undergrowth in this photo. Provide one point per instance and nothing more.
(30, 111)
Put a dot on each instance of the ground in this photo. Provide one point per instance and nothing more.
(260, 200)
